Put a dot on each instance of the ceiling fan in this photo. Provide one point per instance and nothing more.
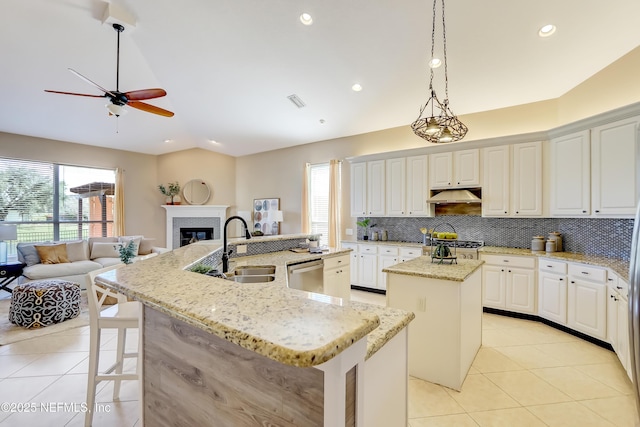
(120, 99)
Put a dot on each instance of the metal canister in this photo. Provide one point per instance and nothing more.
(375, 235)
(385, 235)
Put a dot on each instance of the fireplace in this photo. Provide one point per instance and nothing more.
(192, 235)
(194, 217)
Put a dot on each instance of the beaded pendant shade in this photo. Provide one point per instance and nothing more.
(436, 122)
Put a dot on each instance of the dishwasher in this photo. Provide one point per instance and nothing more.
(306, 276)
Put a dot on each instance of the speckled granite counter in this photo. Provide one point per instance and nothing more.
(384, 243)
(290, 326)
(620, 267)
(423, 267)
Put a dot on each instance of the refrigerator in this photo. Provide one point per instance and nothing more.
(634, 308)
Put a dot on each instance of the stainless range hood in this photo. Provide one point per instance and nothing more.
(454, 196)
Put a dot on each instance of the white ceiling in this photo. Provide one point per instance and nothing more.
(229, 65)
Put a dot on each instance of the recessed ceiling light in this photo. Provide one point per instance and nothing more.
(213, 141)
(306, 19)
(322, 121)
(168, 141)
(356, 87)
(547, 30)
(435, 63)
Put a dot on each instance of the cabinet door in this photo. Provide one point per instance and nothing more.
(570, 192)
(466, 168)
(552, 297)
(358, 189)
(376, 187)
(441, 170)
(622, 343)
(384, 261)
(417, 188)
(586, 308)
(612, 318)
(493, 286)
(336, 282)
(353, 270)
(367, 270)
(396, 187)
(495, 181)
(614, 153)
(521, 290)
(526, 196)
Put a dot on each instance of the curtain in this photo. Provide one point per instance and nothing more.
(335, 167)
(118, 208)
(306, 226)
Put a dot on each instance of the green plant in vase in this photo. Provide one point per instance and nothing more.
(365, 223)
(127, 253)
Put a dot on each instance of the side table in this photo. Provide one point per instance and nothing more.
(8, 273)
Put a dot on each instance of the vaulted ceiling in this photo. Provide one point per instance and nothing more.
(228, 66)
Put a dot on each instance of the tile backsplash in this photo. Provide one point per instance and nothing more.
(592, 236)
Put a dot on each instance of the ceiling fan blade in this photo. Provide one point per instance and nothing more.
(150, 108)
(76, 94)
(141, 95)
(91, 82)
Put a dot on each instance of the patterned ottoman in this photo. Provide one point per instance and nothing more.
(43, 303)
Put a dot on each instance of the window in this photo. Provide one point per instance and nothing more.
(319, 201)
(49, 201)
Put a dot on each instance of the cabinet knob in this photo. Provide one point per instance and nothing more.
(618, 287)
(561, 279)
(549, 266)
(584, 211)
(505, 260)
(517, 212)
(502, 269)
(458, 183)
(505, 212)
(597, 211)
(573, 281)
(509, 271)
(585, 272)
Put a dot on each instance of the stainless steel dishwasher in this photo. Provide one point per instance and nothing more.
(306, 276)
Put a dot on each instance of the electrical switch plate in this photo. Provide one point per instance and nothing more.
(349, 231)
(242, 249)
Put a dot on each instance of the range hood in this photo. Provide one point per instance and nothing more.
(454, 196)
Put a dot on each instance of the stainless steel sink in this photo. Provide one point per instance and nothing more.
(255, 270)
(253, 279)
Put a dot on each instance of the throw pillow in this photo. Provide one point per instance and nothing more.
(53, 254)
(77, 251)
(124, 240)
(28, 253)
(146, 246)
(105, 250)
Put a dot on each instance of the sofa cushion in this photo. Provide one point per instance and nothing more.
(28, 254)
(105, 249)
(45, 271)
(146, 246)
(93, 240)
(52, 254)
(78, 250)
(107, 261)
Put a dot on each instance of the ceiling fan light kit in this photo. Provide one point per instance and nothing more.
(120, 99)
(442, 125)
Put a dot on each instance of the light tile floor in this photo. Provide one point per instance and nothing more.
(525, 374)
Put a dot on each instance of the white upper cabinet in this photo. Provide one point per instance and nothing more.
(455, 169)
(512, 180)
(614, 157)
(495, 181)
(376, 188)
(417, 188)
(396, 187)
(358, 189)
(570, 167)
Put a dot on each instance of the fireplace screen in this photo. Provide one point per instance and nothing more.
(192, 235)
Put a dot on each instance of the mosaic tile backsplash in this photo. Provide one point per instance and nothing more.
(591, 236)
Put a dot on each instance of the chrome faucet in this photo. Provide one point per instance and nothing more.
(225, 254)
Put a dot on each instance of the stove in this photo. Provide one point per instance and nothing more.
(463, 249)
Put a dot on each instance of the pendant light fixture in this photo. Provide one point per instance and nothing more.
(441, 125)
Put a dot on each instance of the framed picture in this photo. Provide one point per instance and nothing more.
(264, 216)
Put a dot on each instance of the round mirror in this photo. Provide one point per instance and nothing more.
(196, 192)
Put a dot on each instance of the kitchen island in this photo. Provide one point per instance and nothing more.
(221, 352)
(446, 334)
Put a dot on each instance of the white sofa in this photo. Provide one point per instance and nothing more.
(84, 256)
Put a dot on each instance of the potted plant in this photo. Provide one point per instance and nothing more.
(171, 192)
(127, 253)
(365, 223)
(314, 240)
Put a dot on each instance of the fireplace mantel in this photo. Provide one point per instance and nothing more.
(191, 211)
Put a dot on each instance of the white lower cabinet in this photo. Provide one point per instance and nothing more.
(387, 256)
(509, 283)
(368, 270)
(336, 276)
(409, 253)
(618, 320)
(552, 290)
(353, 256)
(587, 300)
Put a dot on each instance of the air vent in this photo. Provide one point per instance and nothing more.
(296, 101)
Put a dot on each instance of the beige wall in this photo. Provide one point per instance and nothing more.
(143, 212)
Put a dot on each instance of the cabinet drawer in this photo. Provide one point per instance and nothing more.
(552, 266)
(349, 245)
(336, 261)
(410, 252)
(513, 261)
(582, 271)
(623, 288)
(367, 249)
(388, 250)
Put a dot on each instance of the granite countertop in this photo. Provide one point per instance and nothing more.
(384, 243)
(619, 266)
(423, 267)
(287, 325)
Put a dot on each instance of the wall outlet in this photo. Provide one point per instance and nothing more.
(349, 231)
(242, 249)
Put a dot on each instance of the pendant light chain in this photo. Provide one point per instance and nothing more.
(444, 42)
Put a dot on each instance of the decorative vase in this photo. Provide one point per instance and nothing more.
(313, 244)
(176, 200)
(365, 237)
(168, 200)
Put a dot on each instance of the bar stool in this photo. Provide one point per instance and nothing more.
(121, 316)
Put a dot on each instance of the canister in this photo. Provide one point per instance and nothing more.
(537, 244)
(550, 246)
(385, 235)
(375, 235)
(557, 237)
